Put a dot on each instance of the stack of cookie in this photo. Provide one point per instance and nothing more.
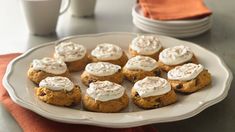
(154, 72)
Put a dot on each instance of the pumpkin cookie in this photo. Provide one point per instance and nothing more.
(139, 67)
(105, 96)
(152, 92)
(189, 78)
(145, 45)
(58, 91)
(175, 56)
(73, 54)
(108, 53)
(46, 67)
(102, 71)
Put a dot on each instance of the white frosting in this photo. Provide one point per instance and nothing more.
(105, 90)
(175, 55)
(49, 65)
(146, 45)
(57, 83)
(102, 68)
(69, 51)
(185, 72)
(141, 62)
(107, 51)
(152, 86)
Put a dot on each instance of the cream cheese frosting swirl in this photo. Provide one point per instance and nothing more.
(176, 55)
(141, 62)
(105, 90)
(57, 83)
(69, 51)
(152, 86)
(102, 68)
(185, 72)
(107, 51)
(146, 45)
(49, 65)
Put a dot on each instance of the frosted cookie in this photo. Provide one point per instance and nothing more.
(46, 67)
(189, 78)
(105, 96)
(175, 56)
(101, 71)
(73, 54)
(153, 92)
(58, 91)
(139, 67)
(108, 53)
(145, 45)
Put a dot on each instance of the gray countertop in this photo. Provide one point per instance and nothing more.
(112, 16)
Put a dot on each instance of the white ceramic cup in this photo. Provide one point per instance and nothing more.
(42, 15)
(82, 8)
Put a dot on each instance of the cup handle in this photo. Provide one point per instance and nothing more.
(66, 7)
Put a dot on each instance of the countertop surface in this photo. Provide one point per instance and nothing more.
(220, 39)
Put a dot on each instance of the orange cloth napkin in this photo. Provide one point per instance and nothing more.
(174, 9)
(31, 122)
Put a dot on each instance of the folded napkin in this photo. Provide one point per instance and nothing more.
(31, 122)
(174, 9)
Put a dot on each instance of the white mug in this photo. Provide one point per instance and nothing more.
(82, 8)
(42, 15)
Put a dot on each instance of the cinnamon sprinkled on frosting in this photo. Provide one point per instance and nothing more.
(105, 90)
(107, 51)
(152, 86)
(176, 55)
(141, 62)
(102, 68)
(185, 72)
(146, 45)
(49, 65)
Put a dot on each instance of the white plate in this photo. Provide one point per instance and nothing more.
(178, 31)
(173, 28)
(136, 11)
(177, 34)
(21, 89)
